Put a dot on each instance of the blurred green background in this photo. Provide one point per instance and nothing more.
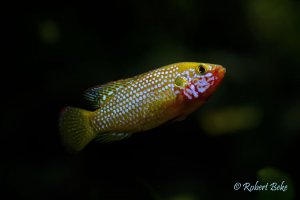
(247, 132)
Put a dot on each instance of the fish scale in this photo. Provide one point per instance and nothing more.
(139, 103)
(148, 93)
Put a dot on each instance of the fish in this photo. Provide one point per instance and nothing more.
(127, 106)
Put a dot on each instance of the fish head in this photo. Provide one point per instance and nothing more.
(198, 80)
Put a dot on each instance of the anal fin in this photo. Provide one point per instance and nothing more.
(112, 137)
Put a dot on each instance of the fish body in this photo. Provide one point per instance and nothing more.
(140, 103)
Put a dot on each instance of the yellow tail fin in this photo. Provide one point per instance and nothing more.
(75, 128)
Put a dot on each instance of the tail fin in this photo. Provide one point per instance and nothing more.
(75, 128)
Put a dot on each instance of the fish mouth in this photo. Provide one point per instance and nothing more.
(220, 71)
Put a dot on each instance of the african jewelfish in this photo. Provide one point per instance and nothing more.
(140, 103)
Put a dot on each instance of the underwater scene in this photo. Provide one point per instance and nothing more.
(153, 100)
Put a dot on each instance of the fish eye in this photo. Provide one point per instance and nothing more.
(201, 69)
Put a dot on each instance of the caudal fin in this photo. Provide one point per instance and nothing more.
(75, 128)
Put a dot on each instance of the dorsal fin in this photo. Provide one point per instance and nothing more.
(100, 94)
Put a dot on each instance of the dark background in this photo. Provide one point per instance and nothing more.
(247, 132)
